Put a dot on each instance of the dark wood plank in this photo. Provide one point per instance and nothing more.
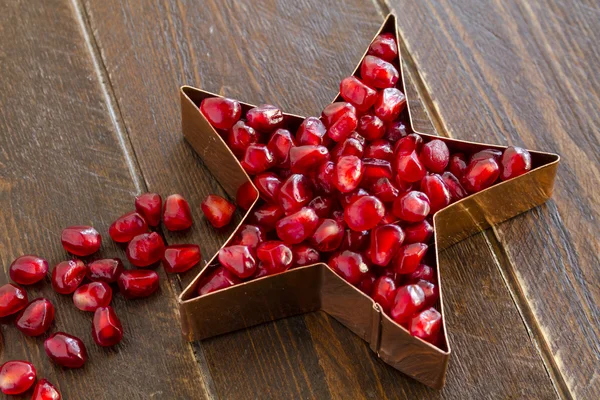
(294, 54)
(62, 163)
(525, 73)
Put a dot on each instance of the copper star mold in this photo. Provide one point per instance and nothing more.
(317, 287)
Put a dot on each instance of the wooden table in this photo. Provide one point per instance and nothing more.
(89, 117)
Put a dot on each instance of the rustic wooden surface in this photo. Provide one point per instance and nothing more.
(521, 300)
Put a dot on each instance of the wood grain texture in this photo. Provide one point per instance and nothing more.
(530, 69)
(62, 163)
(294, 54)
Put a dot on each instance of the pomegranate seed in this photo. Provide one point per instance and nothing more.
(349, 265)
(360, 95)
(81, 240)
(405, 187)
(127, 226)
(409, 300)
(328, 235)
(305, 255)
(381, 149)
(390, 103)
(340, 119)
(36, 318)
(355, 240)
(145, 249)
(364, 213)
(66, 350)
(266, 216)
(384, 292)
(395, 131)
(409, 167)
(176, 213)
(409, 144)
(240, 136)
(68, 275)
(349, 171)
(180, 258)
(221, 278)
(305, 158)
(423, 272)
(275, 255)
(280, 144)
(485, 154)
(348, 147)
(239, 260)
(458, 164)
(409, 257)
(138, 283)
(322, 206)
(434, 187)
(261, 271)
(346, 199)
(258, 158)
(27, 270)
(323, 177)
(457, 191)
(515, 161)
(249, 235)
(246, 196)
(420, 232)
(411, 207)
(222, 113)
(426, 324)
(375, 169)
(311, 132)
(16, 377)
(297, 227)
(217, 210)
(295, 193)
(107, 330)
(388, 218)
(367, 283)
(384, 190)
(435, 156)
(480, 174)
(378, 73)
(431, 292)
(44, 390)
(105, 270)
(264, 118)
(149, 205)
(371, 127)
(385, 242)
(91, 296)
(384, 46)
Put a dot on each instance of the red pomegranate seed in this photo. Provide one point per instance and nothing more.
(16, 377)
(323, 177)
(145, 249)
(27, 270)
(265, 118)
(322, 205)
(390, 103)
(258, 158)
(249, 235)
(384, 190)
(423, 272)
(221, 278)
(376, 169)
(360, 95)
(149, 205)
(411, 207)
(426, 324)
(275, 256)
(176, 213)
(434, 187)
(384, 46)
(261, 271)
(91, 296)
(181, 258)
(349, 171)
(280, 144)
(485, 154)
(294, 193)
(457, 191)
(371, 127)
(138, 283)
(245, 196)
(305, 255)
(395, 131)
(105, 270)
(388, 218)
(409, 167)
(81, 240)
(409, 144)
(44, 390)
(348, 147)
(346, 199)
(328, 235)
(68, 275)
(431, 292)
(297, 227)
(267, 215)
(367, 283)
(238, 260)
(127, 226)
(268, 185)
(515, 161)
(384, 292)
(222, 113)
(409, 300)
(107, 330)
(385, 242)
(217, 210)
(378, 73)
(420, 232)
(364, 213)
(36, 318)
(241, 136)
(355, 240)
(458, 164)
(435, 156)
(311, 132)
(340, 119)
(349, 265)
(66, 350)
(381, 149)
(480, 174)
(305, 158)
(409, 257)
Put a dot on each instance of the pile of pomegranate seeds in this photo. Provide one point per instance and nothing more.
(353, 188)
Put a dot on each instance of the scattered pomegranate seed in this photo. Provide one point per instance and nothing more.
(380, 149)
(311, 132)
(390, 103)
(349, 171)
(409, 300)
(371, 127)
(480, 174)
(395, 131)
(458, 164)
(249, 235)
(360, 95)
(385, 242)
(349, 265)
(355, 240)
(515, 161)
(297, 227)
(378, 73)
(149, 205)
(435, 156)
(409, 167)
(92, 295)
(280, 144)
(245, 196)
(307, 157)
(221, 278)
(376, 169)
(138, 283)
(36, 318)
(364, 213)
(240, 136)
(294, 193)
(322, 205)
(434, 187)
(426, 324)
(66, 350)
(265, 118)
(275, 256)
(384, 292)
(222, 113)
(384, 190)
(430, 290)
(105, 270)
(107, 330)
(367, 283)
(266, 216)
(68, 275)
(420, 232)
(81, 240)
(145, 249)
(384, 46)
(456, 190)
(423, 272)
(238, 260)
(412, 206)
(409, 257)
(496, 155)
(340, 119)
(127, 226)
(16, 377)
(217, 210)
(328, 235)
(44, 390)
(351, 146)
(258, 158)
(305, 255)
(27, 270)
(176, 213)
(323, 180)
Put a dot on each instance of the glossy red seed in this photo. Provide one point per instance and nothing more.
(305, 255)
(426, 324)
(221, 112)
(176, 213)
(261, 271)
(92, 295)
(66, 350)
(265, 118)
(217, 210)
(221, 278)
(239, 260)
(323, 177)
(27, 270)
(16, 377)
(322, 205)
(105, 270)
(348, 147)
(409, 144)
(388, 218)
(458, 164)
(240, 136)
(385, 242)
(346, 199)
(149, 205)
(409, 167)
(68, 275)
(355, 240)
(349, 265)
(384, 292)
(127, 226)
(381, 149)
(420, 232)
(367, 283)
(384, 46)
(311, 132)
(266, 216)
(457, 191)
(480, 175)
(436, 191)
(384, 190)
(44, 390)
(145, 249)
(409, 300)
(485, 154)
(295, 193)
(106, 327)
(36, 318)
(431, 292)
(515, 161)
(297, 227)
(371, 127)
(138, 283)
(364, 213)
(258, 158)
(411, 207)
(354, 91)
(181, 258)
(280, 144)
(376, 169)
(249, 235)
(81, 240)
(435, 156)
(275, 256)
(409, 257)
(328, 235)
(390, 103)
(305, 158)
(340, 119)
(404, 187)
(395, 131)
(245, 196)
(349, 171)
(378, 73)
(268, 185)
(423, 272)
